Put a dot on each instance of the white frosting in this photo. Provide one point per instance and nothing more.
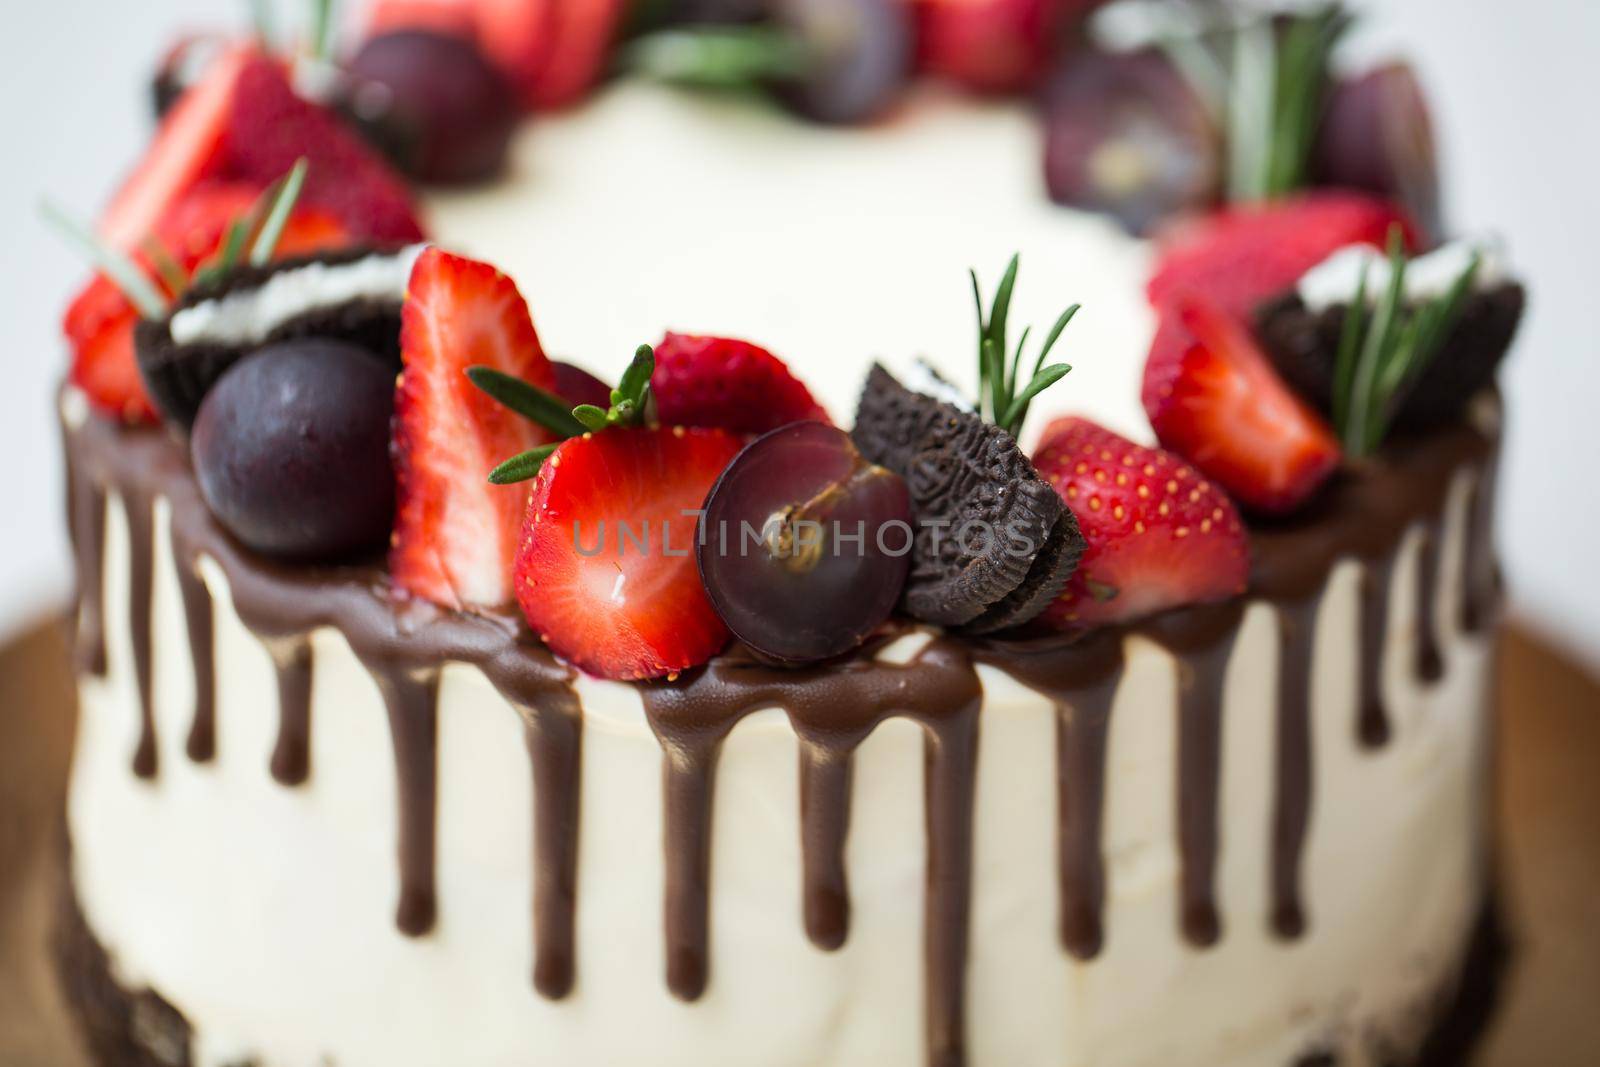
(249, 316)
(265, 913)
(1335, 279)
(922, 378)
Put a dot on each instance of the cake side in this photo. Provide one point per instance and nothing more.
(306, 760)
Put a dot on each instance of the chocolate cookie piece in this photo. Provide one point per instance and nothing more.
(352, 295)
(1304, 345)
(983, 512)
(1051, 569)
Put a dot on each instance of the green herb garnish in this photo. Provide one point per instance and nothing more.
(631, 405)
(1380, 358)
(999, 398)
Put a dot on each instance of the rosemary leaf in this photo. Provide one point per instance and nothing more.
(529, 401)
(521, 467)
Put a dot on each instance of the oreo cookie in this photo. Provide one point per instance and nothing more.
(353, 296)
(991, 549)
(1303, 344)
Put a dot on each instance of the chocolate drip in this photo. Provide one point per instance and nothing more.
(291, 754)
(825, 782)
(1081, 681)
(87, 525)
(1480, 588)
(141, 583)
(1202, 640)
(1372, 710)
(1292, 776)
(555, 751)
(197, 613)
(1429, 664)
(413, 703)
(950, 781)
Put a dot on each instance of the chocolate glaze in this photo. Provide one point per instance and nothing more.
(1429, 665)
(141, 584)
(832, 708)
(202, 743)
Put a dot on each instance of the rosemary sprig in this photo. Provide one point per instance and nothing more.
(631, 405)
(719, 57)
(1380, 358)
(1000, 400)
(123, 271)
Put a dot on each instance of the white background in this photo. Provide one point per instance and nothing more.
(1514, 87)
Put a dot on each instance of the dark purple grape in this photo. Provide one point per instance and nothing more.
(859, 56)
(1376, 135)
(1126, 135)
(577, 386)
(291, 450)
(771, 557)
(434, 104)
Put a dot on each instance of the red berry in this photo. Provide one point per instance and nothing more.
(455, 534)
(1159, 535)
(734, 385)
(605, 571)
(1213, 397)
(1240, 257)
(243, 122)
(991, 46)
(580, 48)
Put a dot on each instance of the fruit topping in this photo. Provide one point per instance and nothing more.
(992, 539)
(1242, 256)
(1214, 398)
(1405, 345)
(442, 112)
(990, 46)
(291, 450)
(582, 33)
(605, 571)
(731, 384)
(806, 545)
(1376, 136)
(1126, 135)
(833, 61)
(1158, 534)
(577, 386)
(211, 226)
(353, 296)
(455, 535)
(243, 122)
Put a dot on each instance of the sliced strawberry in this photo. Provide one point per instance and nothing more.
(99, 322)
(735, 385)
(1159, 535)
(243, 122)
(1213, 397)
(455, 535)
(1239, 257)
(614, 608)
(583, 33)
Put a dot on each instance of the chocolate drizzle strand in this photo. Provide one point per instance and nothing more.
(832, 708)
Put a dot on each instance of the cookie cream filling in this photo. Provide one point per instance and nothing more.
(250, 316)
(1334, 281)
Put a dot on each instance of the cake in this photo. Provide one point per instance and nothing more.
(1199, 777)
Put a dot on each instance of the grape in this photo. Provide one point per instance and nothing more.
(577, 386)
(861, 54)
(1126, 135)
(291, 450)
(434, 104)
(770, 559)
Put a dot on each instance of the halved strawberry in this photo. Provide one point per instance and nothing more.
(1239, 257)
(455, 535)
(735, 385)
(243, 122)
(582, 35)
(606, 570)
(1158, 534)
(99, 322)
(1214, 398)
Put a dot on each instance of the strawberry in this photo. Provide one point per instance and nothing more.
(243, 122)
(1213, 397)
(1158, 534)
(583, 32)
(99, 322)
(990, 46)
(735, 385)
(1239, 257)
(613, 608)
(455, 535)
